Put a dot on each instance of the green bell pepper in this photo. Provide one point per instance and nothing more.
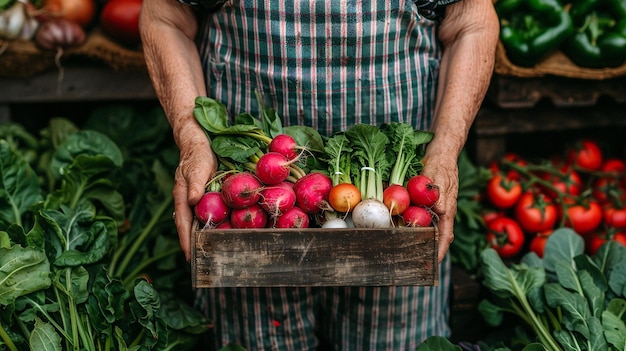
(532, 29)
(600, 37)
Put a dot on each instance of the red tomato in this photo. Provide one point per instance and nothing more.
(119, 20)
(503, 192)
(505, 236)
(489, 214)
(538, 243)
(584, 217)
(535, 212)
(596, 240)
(586, 154)
(567, 182)
(615, 166)
(504, 165)
(614, 217)
(605, 189)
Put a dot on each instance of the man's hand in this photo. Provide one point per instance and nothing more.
(196, 167)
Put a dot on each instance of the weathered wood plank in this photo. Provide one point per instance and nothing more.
(314, 257)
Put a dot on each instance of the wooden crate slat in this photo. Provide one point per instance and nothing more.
(314, 257)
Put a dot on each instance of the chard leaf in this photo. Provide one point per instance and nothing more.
(567, 276)
(614, 323)
(180, 316)
(146, 306)
(19, 186)
(562, 246)
(597, 341)
(585, 263)
(593, 294)
(236, 148)
(505, 282)
(617, 280)
(576, 312)
(568, 340)
(492, 314)
(307, 137)
(438, 343)
(44, 337)
(107, 300)
(23, 270)
(533, 347)
(85, 143)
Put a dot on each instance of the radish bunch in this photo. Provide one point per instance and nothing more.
(265, 198)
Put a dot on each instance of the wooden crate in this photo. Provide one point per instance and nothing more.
(314, 257)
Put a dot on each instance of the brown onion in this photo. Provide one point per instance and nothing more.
(58, 34)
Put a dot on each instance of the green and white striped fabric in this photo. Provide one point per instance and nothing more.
(326, 64)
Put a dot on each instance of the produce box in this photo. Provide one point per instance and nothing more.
(314, 257)
(556, 64)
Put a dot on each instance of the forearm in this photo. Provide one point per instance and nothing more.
(168, 29)
(466, 69)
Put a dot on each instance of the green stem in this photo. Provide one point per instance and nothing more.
(7, 340)
(147, 262)
(137, 339)
(142, 237)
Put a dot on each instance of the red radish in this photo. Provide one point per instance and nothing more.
(285, 145)
(312, 192)
(417, 216)
(224, 225)
(371, 213)
(211, 209)
(344, 196)
(241, 190)
(276, 199)
(294, 217)
(422, 191)
(396, 198)
(273, 168)
(251, 217)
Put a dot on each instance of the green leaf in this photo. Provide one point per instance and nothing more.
(85, 143)
(562, 246)
(492, 314)
(19, 186)
(576, 312)
(437, 343)
(614, 323)
(44, 337)
(307, 137)
(22, 271)
(506, 282)
(237, 148)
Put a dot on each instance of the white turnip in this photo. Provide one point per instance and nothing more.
(211, 209)
(250, 217)
(294, 217)
(337, 223)
(417, 216)
(371, 213)
(241, 190)
(422, 190)
(276, 199)
(312, 192)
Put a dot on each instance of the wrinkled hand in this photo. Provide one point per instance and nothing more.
(196, 166)
(444, 173)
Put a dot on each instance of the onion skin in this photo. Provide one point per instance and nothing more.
(58, 34)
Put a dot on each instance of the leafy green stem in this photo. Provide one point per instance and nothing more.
(156, 217)
(147, 262)
(6, 339)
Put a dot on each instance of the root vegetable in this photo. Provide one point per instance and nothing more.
(211, 209)
(273, 168)
(344, 197)
(371, 213)
(277, 199)
(422, 190)
(12, 21)
(337, 223)
(396, 198)
(295, 217)
(312, 192)
(241, 190)
(250, 217)
(285, 145)
(417, 216)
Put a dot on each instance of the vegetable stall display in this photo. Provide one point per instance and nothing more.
(366, 176)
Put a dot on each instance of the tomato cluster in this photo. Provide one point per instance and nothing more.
(583, 189)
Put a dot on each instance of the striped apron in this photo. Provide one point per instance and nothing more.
(328, 65)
